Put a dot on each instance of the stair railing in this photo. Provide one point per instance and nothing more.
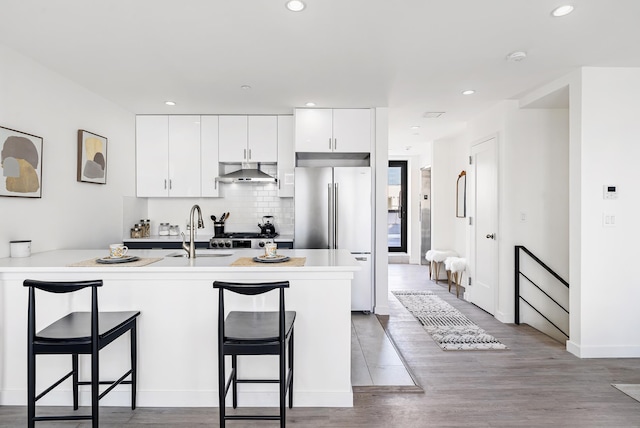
(518, 274)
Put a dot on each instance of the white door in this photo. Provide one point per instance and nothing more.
(483, 291)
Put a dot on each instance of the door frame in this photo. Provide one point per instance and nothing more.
(469, 294)
(404, 166)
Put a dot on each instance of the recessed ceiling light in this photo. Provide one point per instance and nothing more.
(295, 5)
(170, 103)
(468, 92)
(516, 56)
(310, 104)
(245, 87)
(562, 10)
(407, 147)
(415, 127)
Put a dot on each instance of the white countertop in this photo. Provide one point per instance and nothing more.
(59, 261)
(201, 238)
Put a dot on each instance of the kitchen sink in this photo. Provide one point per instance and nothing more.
(202, 253)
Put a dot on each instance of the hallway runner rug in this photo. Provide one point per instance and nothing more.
(448, 327)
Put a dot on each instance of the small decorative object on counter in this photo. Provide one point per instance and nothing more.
(174, 230)
(136, 232)
(146, 228)
(163, 229)
(20, 248)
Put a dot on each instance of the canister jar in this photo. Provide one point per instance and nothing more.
(163, 229)
(136, 232)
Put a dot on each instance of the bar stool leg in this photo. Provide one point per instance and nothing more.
(221, 385)
(134, 365)
(74, 365)
(31, 387)
(234, 383)
(291, 370)
(95, 387)
(283, 383)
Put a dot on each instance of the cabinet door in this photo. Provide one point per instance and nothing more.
(233, 139)
(313, 130)
(209, 167)
(286, 157)
(262, 137)
(352, 130)
(184, 156)
(152, 147)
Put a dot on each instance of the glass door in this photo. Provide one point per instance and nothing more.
(397, 206)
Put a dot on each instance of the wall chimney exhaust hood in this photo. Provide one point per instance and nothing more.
(248, 173)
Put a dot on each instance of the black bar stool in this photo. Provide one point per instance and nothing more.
(254, 333)
(74, 334)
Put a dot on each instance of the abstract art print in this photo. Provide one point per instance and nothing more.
(92, 157)
(21, 164)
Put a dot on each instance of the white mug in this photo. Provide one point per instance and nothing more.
(117, 251)
(270, 249)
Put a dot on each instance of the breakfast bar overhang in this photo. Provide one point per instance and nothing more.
(177, 355)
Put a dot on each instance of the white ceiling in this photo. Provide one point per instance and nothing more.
(412, 56)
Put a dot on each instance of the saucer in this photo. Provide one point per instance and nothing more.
(111, 260)
(271, 259)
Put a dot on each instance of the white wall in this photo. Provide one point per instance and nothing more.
(533, 180)
(450, 157)
(70, 214)
(609, 291)
(380, 159)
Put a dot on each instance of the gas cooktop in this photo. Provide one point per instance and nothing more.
(246, 235)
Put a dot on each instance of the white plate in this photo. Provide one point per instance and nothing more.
(268, 259)
(124, 259)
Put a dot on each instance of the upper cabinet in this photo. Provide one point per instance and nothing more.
(168, 156)
(209, 166)
(248, 139)
(333, 130)
(166, 147)
(286, 157)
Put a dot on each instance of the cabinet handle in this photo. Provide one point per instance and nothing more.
(245, 154)
(335, 144)
(170, 184)
(249, 154)
(329, 143)
(165, 184)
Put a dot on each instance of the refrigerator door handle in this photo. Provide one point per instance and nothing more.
(330, 214)
(335, 213)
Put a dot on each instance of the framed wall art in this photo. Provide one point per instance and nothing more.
(92, 157)
(20, 164)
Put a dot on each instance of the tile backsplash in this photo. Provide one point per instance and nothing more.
(246, 203)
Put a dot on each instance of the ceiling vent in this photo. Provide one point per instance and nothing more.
(432, 114)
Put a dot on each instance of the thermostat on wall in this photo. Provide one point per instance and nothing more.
(610, 192)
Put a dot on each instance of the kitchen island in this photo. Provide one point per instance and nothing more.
(177, 330)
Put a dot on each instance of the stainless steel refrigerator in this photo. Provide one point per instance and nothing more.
(333, 209)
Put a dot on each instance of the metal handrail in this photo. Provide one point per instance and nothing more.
(517, 286)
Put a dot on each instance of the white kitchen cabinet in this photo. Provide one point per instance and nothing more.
(333, 130)
(167, 148)
(209, 166)
(152, 149)
(248, 139)
(184, 156)
(286, 157)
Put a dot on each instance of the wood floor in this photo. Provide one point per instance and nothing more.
(535, 383)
